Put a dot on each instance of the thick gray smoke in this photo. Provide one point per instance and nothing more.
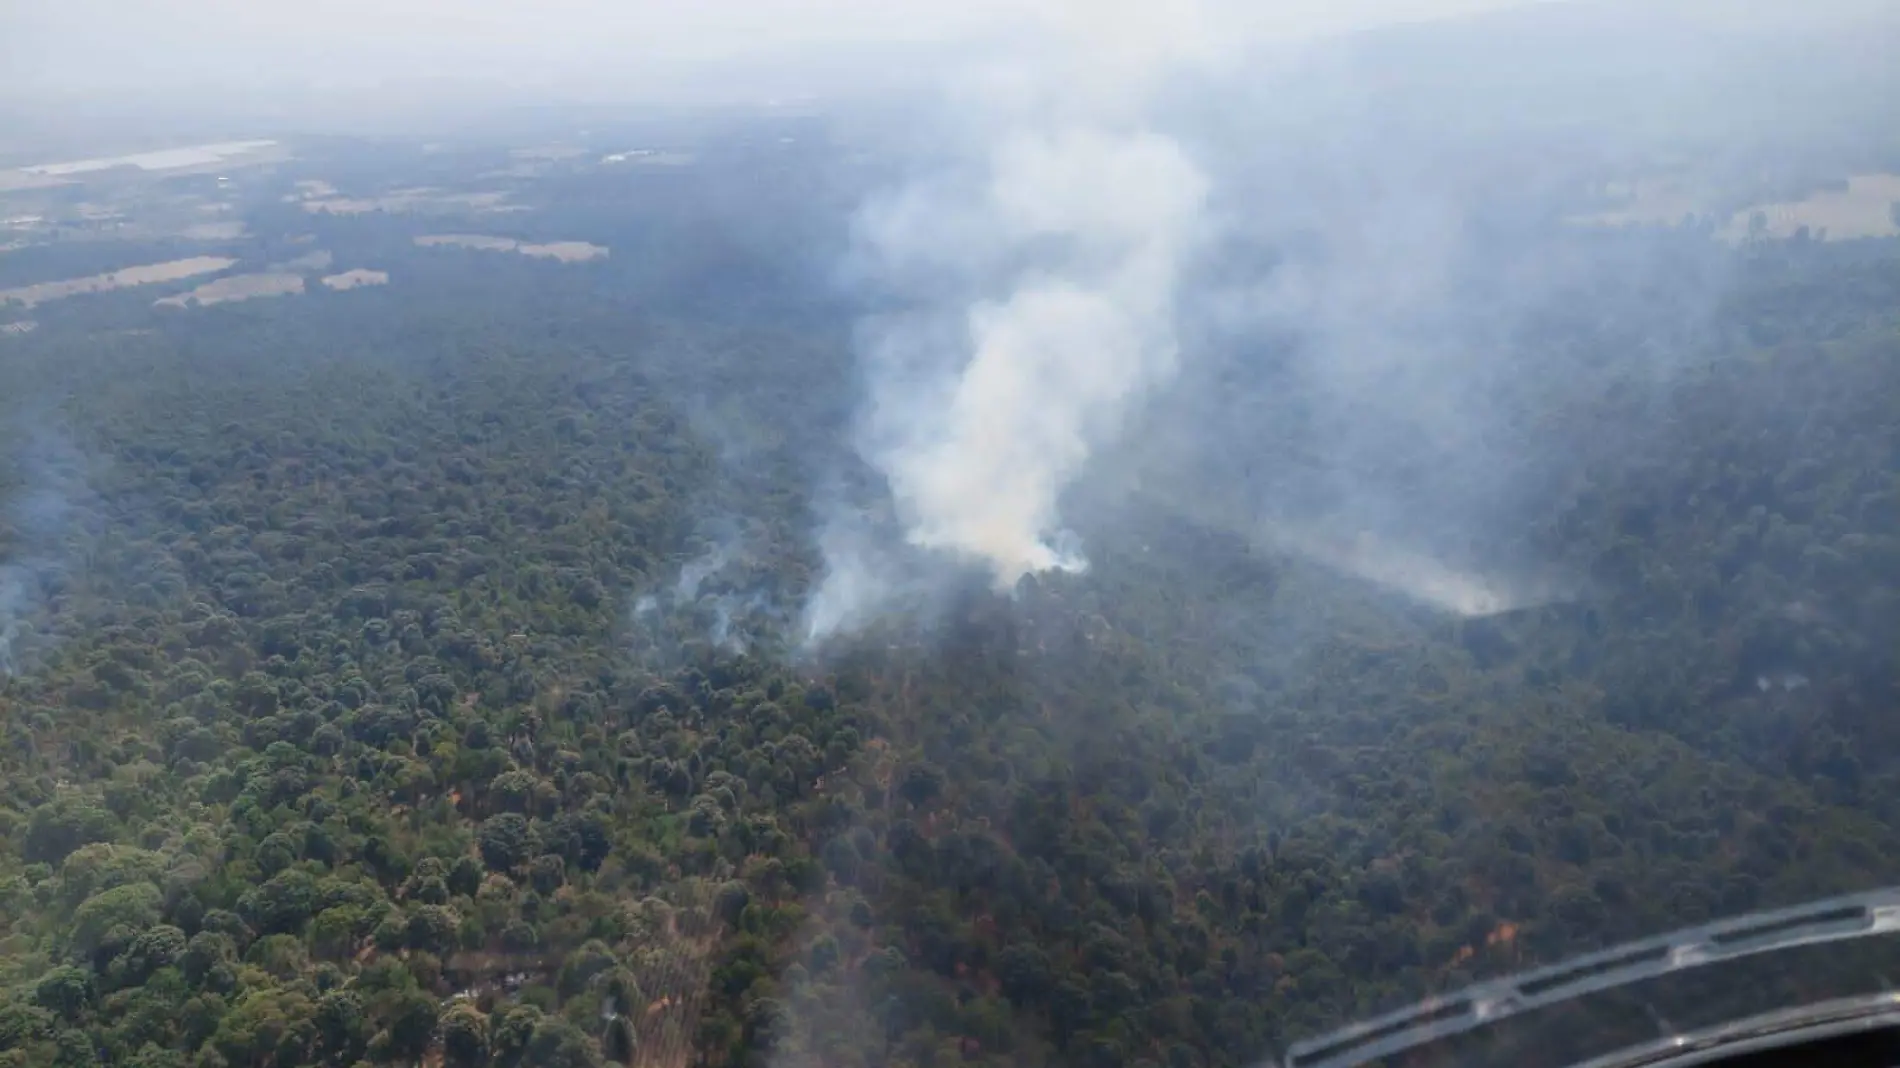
(1060, 237)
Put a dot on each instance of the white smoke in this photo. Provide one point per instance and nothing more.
(714, 597)
(1417, 576)
(37, 525)
(698, 570)
(857, 581)
(14, 602)
(1053, 366)
(983, 407)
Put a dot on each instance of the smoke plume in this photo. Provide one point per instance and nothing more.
(721, 597)
(1060, 236)
(36, 522)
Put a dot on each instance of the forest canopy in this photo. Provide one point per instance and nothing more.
(416, 673)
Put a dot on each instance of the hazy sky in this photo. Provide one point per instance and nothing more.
(601, 48)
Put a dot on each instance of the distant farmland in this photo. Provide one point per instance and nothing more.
(564, 251)
(148, 274)
(361, 276)
(1867, 207)
(236, 287)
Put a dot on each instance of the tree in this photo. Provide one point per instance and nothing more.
(559, 1044)
(464, 1036)
(334, 932)
(342, 1028)
(268, 1026)
(1069, 1010)
(432, 929)
(65, 991)
(1024, 971)
(841, 859)
(507, 841)
(282, 905)
(280, 955)
(591, 959)
(56, 829)
(159, 947)
(151, 1056)
(205, 951)
(619, 1044)
(101, 866)
(510, 1030)
(465, 877)
(24, 1025)
(922, 784)
(409, 1022)
(546, 873)
(73, 1048)
(114, 916)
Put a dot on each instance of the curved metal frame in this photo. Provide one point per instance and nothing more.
(1833, 919)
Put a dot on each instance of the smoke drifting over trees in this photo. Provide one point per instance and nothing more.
(1036, 288)
(1086, 535)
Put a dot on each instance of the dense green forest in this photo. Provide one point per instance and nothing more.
(409, 676)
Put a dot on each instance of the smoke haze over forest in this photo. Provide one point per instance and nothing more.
(879, 536)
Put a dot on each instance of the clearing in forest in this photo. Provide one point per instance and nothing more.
(147, 274)
(361, 276)
(1869, 206)
(404, 200)
(1864, 205)
(235, 287)
(564, 251)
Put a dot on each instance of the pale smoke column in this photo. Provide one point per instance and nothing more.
(13, 600)
(1053, 366)
(983, 408)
